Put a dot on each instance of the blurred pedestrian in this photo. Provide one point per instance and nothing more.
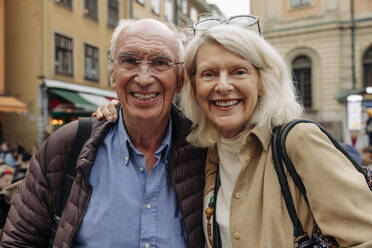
(6, 176)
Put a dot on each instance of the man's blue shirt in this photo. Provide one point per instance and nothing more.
(129, 206)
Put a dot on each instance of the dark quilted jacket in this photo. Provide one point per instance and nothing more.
(37, 201)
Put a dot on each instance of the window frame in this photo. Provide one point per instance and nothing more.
(192, 11)
(166, 17)
(294, 4)
(153, 10)
(142, 2)
(184, 6)
(110, 7)
(95, 49)
(63, 3)
(367, 66)
(304, 88)
(63, 49)
(87, 12)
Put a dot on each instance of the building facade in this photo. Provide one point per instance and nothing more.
(56, 56)
(328, 46)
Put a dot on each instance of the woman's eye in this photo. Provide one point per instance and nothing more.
(207, 74)
(240, 72)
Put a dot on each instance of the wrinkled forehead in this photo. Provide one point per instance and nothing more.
(147, 37)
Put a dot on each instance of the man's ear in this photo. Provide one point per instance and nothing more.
(180, 81)
(113, 79)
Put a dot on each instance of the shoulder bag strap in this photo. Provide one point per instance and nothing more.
(280, 154)
(278, 165)
(289, 165)
(82, 135)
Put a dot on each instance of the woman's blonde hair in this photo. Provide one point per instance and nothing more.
(276, 106)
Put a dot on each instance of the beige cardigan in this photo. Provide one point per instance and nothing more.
(339, 197)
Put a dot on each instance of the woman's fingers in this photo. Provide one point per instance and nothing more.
(108, 111)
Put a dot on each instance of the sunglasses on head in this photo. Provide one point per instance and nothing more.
(248, 21)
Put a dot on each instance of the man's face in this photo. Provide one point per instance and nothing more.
(145, 94)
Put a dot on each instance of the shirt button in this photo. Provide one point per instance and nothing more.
(141, 169)
(236, 235)
(148, 206)
(147, 245)
(238, 195)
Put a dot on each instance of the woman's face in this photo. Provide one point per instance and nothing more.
(227, 88)
(6, 180)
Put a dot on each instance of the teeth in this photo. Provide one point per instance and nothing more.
(144, 97)
(226, 103)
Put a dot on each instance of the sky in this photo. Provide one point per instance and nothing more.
(232, 7)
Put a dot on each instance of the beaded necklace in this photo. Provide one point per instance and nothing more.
(209, 213)
(215, 239)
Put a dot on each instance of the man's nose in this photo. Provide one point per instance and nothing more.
(224, 85)
(144, 75)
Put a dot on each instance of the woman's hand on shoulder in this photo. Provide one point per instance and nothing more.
(107, 111)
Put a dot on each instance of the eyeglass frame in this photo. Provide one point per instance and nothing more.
(227, 21)
(148, 62)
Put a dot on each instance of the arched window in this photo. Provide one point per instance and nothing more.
(301, 67)
(367, 68)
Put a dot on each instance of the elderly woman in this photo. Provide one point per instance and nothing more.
(237, 90)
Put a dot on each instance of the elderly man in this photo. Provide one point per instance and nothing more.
(138, 182)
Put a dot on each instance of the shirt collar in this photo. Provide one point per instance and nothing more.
(128, 146)
(262, 134)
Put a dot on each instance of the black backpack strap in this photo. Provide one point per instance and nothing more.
(82, 135)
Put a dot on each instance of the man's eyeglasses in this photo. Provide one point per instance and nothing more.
(248, 21)
(130, 62)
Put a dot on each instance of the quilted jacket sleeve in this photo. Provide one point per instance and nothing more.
(30, 216)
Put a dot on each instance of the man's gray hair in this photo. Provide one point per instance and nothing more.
(123, 23)
(276, 106)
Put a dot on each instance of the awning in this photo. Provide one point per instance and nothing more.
(50, 83)
(78, 99)
(11, 104)
(95, 99)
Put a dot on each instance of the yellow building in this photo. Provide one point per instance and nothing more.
(56, 54)
(328, 46)
(8, 103)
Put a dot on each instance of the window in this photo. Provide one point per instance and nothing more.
(91, 63)
(68, 3)
(184, 6)
(155, 6)
(367, 68)
(301, 66)
(141, 2)
(168, 11)
(193, 14)
(300, 3)
(113, 12)
(63, 63)
(91, 8)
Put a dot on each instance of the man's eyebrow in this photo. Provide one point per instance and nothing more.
(127, 54)
(161, 56)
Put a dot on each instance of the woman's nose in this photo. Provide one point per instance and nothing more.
(224, 85)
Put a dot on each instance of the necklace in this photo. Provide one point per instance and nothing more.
(209, 213)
